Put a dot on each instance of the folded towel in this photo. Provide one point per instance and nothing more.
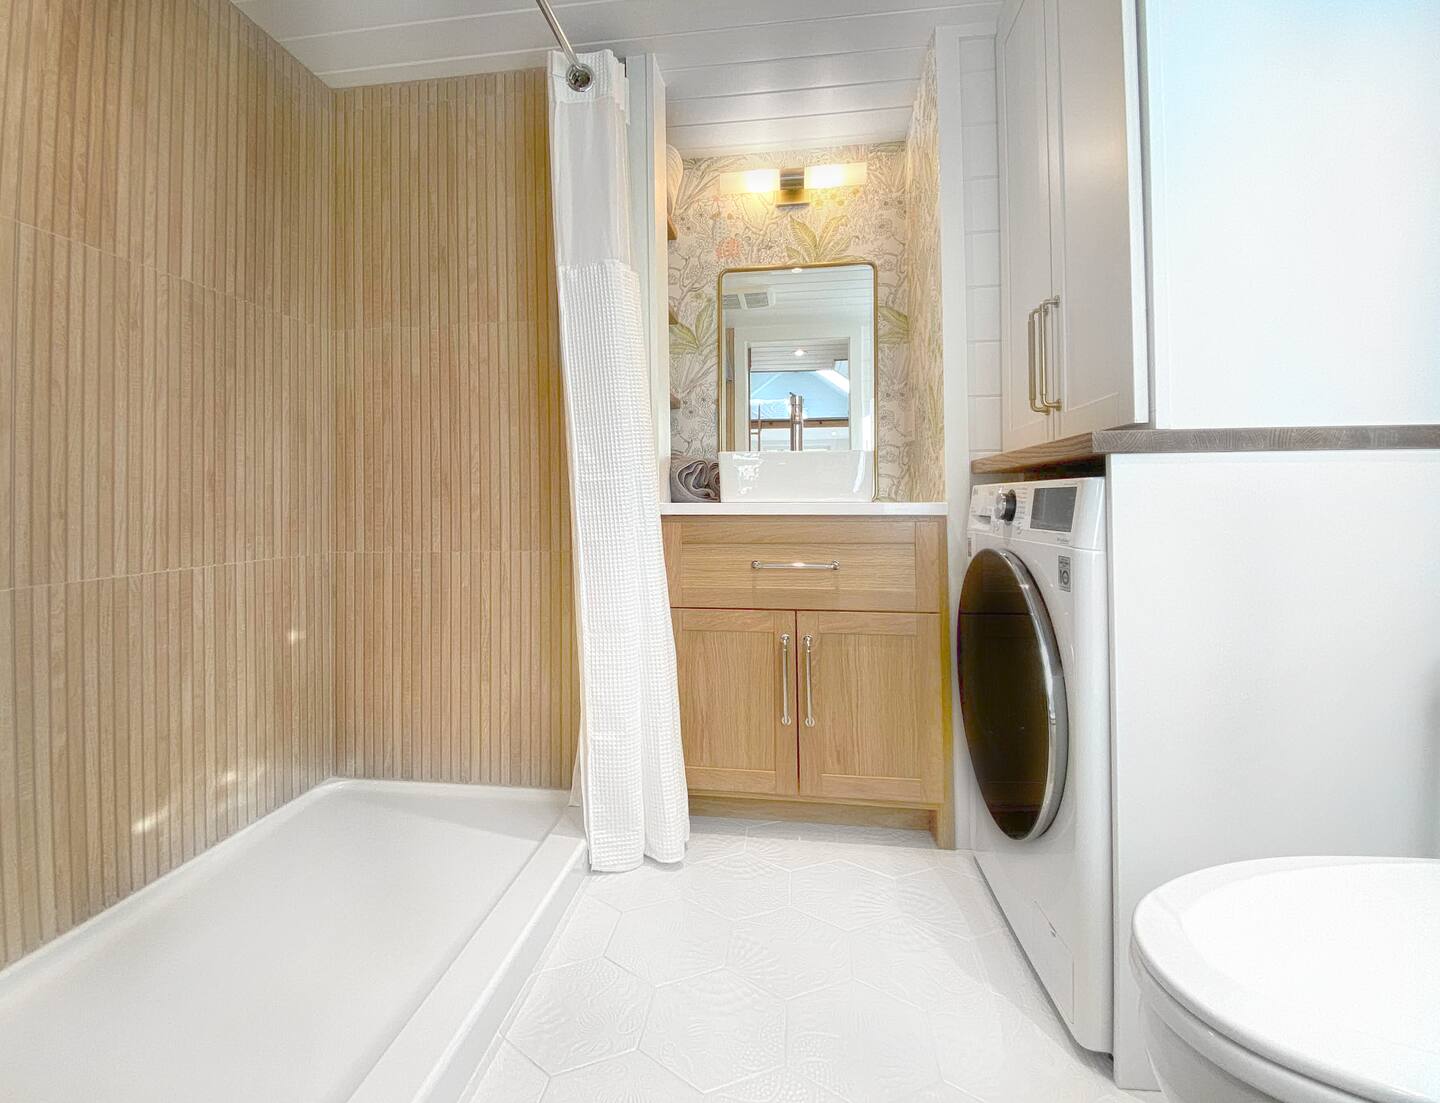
(694, 480)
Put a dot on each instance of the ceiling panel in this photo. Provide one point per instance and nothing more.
(740, 74)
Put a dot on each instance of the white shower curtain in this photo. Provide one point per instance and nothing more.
(630, 772)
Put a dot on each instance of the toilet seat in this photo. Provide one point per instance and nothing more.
(1313, 979)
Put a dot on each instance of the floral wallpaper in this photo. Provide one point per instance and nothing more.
(927, 356)
(715, 232)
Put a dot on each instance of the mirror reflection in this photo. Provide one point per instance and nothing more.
(797, 359)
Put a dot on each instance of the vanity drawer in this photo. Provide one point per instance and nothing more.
(880, 564)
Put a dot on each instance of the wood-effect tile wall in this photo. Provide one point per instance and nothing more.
(454, 600)
(167, 391)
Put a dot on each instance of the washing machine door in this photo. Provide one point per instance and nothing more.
(1012, 694)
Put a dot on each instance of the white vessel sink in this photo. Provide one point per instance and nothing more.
(797, 476)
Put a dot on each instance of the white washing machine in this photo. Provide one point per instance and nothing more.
(1034, 662)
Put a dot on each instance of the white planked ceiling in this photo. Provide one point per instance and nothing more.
(740, 75)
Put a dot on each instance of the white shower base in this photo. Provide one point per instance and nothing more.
(361, 943)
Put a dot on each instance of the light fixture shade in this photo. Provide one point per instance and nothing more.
(750, 182)
(836, 176)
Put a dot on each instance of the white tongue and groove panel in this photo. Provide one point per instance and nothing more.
(740, 74)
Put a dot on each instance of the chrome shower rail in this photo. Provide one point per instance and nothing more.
(578, 76)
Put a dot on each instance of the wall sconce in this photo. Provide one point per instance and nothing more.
(791, 186)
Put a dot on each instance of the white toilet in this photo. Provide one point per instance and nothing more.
(1305, 980)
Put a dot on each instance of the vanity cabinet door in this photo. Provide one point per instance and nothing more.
(736, 671)
(870, 706)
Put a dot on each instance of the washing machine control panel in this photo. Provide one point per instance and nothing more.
(1062, 511)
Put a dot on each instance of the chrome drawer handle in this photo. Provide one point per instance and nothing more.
(785, 678)
(809, 642)
(759, 565)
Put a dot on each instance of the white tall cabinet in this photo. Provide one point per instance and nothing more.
(1072, 277)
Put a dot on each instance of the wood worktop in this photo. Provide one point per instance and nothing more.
(1086, 448)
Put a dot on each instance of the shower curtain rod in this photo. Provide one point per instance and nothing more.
(578, 76)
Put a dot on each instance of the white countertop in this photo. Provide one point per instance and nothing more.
(803, 509)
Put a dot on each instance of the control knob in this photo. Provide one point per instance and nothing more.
(1005, 505)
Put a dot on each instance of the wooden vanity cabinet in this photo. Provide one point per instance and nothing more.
(813, 661)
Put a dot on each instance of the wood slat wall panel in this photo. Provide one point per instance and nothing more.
(454, 604)
(167, 399)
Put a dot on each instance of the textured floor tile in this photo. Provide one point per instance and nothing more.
(715, 1029)
(705, 846)
(788, 953)
(1009, 973)
(919, 964)
(774, 1087)
(885, 836)
(648, 884)
(793, 845)
(950, 901)
(633, 1078)
(940, 1093)
(670, 941)
(511, 1077)
(860, 1043)
(894, 861)
(579, 1014)
(738, 886)
(998, 1054)
(845, 895)
(585, 934)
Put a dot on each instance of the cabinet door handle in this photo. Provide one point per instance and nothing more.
(809, 642)
(758, 565)
(785, 678)
(1046, 402)
(1035, 401)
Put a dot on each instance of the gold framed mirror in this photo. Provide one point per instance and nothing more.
(797, 357)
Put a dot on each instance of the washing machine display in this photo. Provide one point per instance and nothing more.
(1012, 694)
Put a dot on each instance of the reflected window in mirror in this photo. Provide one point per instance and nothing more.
(797, 358)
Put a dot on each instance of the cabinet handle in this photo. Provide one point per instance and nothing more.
(785, 678)
(1046, 402)
(1031, 362)
(758, 565)
(809, 642)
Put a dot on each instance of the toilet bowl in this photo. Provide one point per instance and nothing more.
(1303, 980)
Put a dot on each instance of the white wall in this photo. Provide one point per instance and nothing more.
(982, 242)
(1276, 668)
(970, 276)
(1293, 175)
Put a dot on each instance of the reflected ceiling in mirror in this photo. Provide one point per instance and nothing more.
(797, 358)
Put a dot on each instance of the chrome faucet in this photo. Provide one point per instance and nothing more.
(797, 422)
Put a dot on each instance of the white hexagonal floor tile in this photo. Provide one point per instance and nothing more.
(510, 1076)
(845, 895)
(738, 885)
(783, 1086)
(893, 861)
(705, 846)
(670, 941)
(998, 1054)
(584, 934)
(920, 964)
(788, 953)
(793, 845)
(649, 883)
(860, 1043)
(633, 1078)
(715, 1029)
(940, 1093)
(904, 837)
(579, 1014)
(950, 901)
